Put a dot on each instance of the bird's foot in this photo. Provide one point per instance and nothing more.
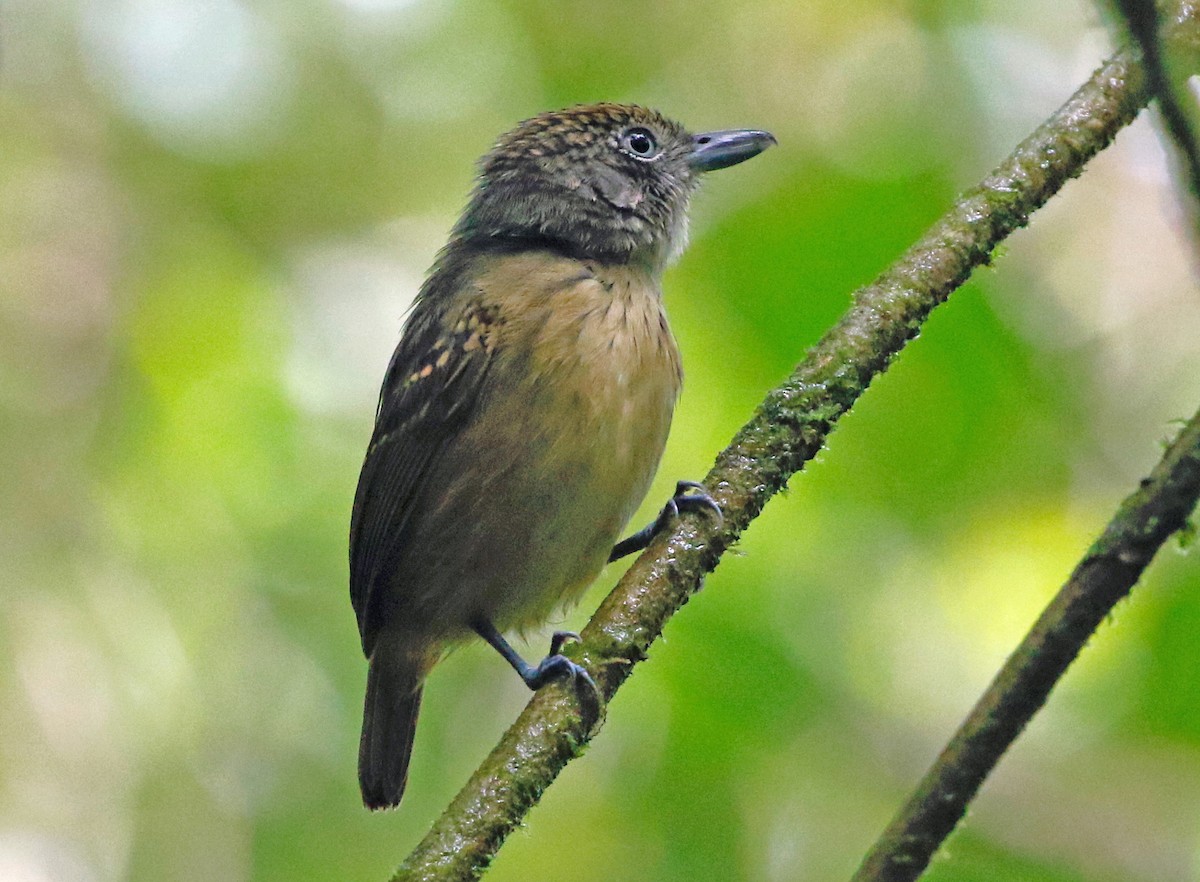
(556, 665)
(552, 667)
(682, 501)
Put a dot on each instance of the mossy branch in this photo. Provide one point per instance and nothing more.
(787, 430)
(1146, 519)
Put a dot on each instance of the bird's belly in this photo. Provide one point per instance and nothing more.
(566, 463)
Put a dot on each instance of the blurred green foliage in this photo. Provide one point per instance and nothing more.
(212, 218)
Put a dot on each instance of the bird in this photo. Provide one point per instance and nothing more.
(526, 406)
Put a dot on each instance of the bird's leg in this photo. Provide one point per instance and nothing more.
(680, 502)
(553, 665)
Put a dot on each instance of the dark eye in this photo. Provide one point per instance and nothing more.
(640, 142)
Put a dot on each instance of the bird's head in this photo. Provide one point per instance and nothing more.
(606, 181)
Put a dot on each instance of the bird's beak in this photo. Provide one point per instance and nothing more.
(714, 150)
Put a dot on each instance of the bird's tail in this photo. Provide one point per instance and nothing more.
(394, 683)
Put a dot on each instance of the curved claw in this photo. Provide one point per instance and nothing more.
(558, 638)
(699, 502)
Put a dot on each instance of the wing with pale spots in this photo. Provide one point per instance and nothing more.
(431, 389)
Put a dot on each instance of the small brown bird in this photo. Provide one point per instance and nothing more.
(526, 407)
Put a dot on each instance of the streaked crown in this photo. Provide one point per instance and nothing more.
(609, 181)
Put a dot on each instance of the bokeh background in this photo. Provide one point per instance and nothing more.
(213, 215)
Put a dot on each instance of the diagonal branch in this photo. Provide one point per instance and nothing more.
(1146, 519)
(787, 430)
(1113, 565)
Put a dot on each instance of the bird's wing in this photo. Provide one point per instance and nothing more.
(432, 387)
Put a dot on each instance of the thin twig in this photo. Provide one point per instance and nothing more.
(787, 430)
(1143, 20)
(1145, 520)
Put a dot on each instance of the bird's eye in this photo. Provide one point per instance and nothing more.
(640, 143)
